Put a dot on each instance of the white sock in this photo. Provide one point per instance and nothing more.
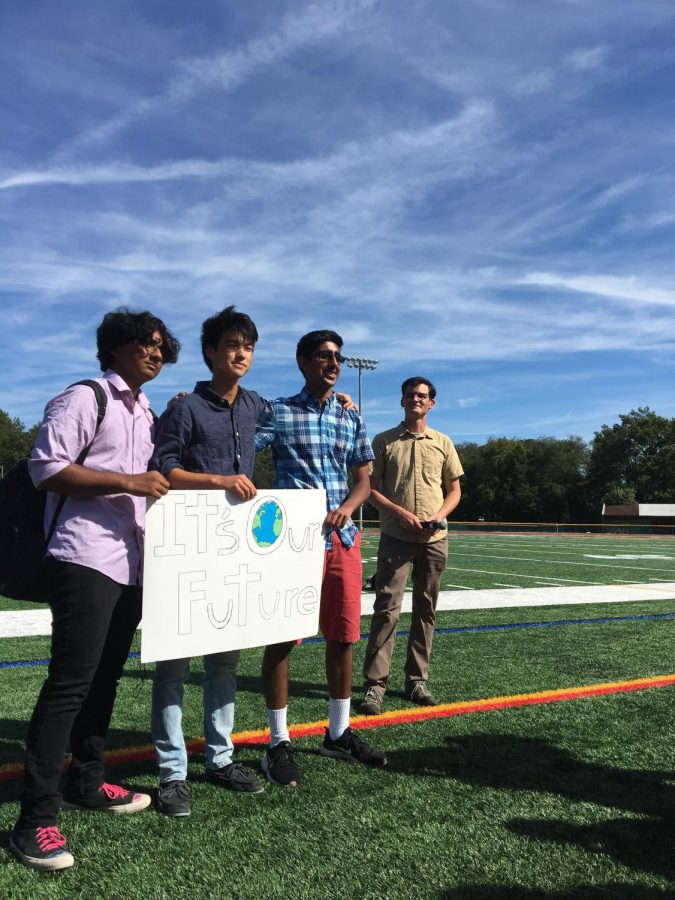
(278, 727)
(338, 717)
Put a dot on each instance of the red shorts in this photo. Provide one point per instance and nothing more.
(340, 610)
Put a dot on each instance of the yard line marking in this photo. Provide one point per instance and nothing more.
(462, 587)
(144, 752)
(548, 584)
(565, 562)
(551, 547)
(518, 575)
(499, 584)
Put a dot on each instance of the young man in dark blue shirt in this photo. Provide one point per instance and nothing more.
(206, 440)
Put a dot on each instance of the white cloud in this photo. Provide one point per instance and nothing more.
(587, 59)
(315, 22)
(629, 289)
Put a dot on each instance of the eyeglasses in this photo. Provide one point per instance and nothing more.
(328, 355)
(414, 395)
(147, 346)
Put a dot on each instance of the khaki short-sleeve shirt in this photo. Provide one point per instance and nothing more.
(411, 470)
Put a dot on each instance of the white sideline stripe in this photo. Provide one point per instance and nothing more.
(546, 596)
(38, 621)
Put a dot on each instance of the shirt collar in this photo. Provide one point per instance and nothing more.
(309, 399)
(202, 388)
(403, 431)
(122, 387)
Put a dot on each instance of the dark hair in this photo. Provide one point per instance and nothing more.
(313, 339)
(122, 326)
(414, 381)
(227, 320)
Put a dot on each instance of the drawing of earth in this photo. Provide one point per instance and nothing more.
(267, 524)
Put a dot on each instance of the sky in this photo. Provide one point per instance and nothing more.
(478, 191)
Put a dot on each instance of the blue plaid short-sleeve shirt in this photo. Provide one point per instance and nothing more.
(314, 446)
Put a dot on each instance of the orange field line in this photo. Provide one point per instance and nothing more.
(12, 771)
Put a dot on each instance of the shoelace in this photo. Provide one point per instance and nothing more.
(286, 754)
(371, 694)
(114, 791)
(180, 790)
(49, 838)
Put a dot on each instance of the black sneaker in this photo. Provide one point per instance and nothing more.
(41, 848)
(371, 705)
(173, 799)
(236, 778)
(280, 767)
(110, 798)
(419, 693)
(351, 748)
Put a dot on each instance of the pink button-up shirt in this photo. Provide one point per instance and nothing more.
(104, 533)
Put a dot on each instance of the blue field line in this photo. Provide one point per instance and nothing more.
(462, 629)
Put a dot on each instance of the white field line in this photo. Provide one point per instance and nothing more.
(549, 584)
(555, 545)
(499, 584)
(544, 596)
(572, 537)
(38, 622)
(517, 575)
(557, 551)
(565, 562)
(462, 587)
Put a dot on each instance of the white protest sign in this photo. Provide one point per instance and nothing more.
(222, 573)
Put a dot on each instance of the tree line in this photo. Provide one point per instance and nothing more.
(541, 479)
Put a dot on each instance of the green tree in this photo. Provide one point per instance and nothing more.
(633, 460)
(15, 441)
(263, 472)
(511, 479)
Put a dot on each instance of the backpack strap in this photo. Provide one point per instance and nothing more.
(102, 402)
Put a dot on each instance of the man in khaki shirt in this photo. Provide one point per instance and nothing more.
(412, 465)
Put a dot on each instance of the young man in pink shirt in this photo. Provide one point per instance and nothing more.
(92, 571)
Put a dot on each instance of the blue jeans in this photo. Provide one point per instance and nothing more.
(220, 685)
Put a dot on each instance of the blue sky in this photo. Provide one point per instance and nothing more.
(481, 191)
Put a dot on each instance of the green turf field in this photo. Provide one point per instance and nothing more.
(569, 799)
(528, 560)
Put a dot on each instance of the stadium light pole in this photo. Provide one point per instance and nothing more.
(369, 365)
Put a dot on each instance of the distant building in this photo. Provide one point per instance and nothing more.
(657, 518)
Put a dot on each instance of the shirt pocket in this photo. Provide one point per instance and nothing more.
(431, 463)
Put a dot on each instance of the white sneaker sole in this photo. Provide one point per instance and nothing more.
(63, 861)
(136, 804)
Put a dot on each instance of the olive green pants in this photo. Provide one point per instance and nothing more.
(394, 559)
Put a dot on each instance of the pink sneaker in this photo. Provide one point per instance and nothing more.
(110, 798)
(41, 848)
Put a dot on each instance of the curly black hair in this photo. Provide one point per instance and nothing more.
(121, 326)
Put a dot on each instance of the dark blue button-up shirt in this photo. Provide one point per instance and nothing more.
(201, 432)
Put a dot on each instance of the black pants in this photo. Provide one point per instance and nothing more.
(94, 620)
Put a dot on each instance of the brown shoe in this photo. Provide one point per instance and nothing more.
(371, 705)
(419, 693)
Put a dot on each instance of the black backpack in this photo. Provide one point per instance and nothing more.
(23, 544)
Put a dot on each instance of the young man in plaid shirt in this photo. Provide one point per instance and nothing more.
(316, 443)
